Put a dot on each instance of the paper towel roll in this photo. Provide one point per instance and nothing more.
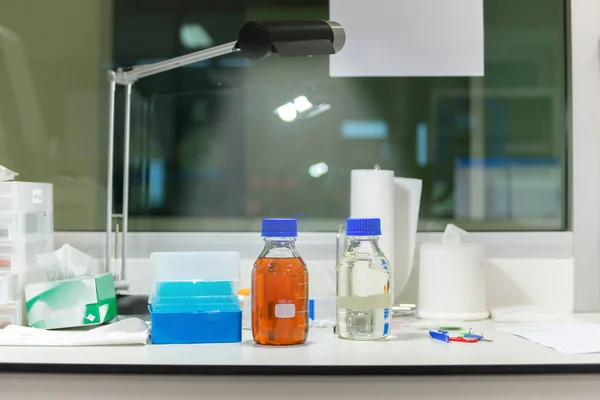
(372, 196)
(407, 201)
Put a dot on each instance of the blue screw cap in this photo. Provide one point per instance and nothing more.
(279, 227)
(363, 227)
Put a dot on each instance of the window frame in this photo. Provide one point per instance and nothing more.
(584, 85)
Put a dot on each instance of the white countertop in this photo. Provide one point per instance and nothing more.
(404, 348)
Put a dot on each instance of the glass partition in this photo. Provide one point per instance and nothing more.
(221, 144)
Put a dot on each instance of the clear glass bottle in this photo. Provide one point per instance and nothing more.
(364, 300)
(279, 287)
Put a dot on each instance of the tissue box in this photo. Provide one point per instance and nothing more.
(71, 303)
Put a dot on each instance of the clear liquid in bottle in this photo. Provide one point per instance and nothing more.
(364, 300)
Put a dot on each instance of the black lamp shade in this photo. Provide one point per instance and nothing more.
(258, 39)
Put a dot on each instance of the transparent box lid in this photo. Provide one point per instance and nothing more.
(193, 275)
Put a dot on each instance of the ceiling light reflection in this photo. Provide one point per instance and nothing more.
(318, 170)
(287, 112)
(302, 104)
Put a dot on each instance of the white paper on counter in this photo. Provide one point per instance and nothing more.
(125, 332)
(409, 38)
(566, 338)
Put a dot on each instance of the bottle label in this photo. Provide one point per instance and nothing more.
(376, 301)
(386, 318)
(285, 310)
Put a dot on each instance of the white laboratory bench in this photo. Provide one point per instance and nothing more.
(395, 365)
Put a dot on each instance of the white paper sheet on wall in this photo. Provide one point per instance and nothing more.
(409, 38)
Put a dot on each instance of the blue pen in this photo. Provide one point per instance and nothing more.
(440, 335)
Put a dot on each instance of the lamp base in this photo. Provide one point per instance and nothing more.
(132, 305)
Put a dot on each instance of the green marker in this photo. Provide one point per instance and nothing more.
(450, 328)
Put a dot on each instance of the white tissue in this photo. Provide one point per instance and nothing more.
(126, 332)
(65, 263)
(322, 323)
(453, 234)
(6, 174)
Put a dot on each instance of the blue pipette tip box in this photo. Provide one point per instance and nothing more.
(189, 319)
(222, 326)
(193, 298)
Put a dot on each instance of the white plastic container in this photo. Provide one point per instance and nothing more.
(19, 255)
(26, 197)
(26, 223)
(451, 279)
(26, 230)
(8, 286)
(245, 298)
(11, 314)
(14, 226)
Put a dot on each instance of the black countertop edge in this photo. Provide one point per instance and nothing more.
(305, 370)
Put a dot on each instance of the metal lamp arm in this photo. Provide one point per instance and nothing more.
(123, 77)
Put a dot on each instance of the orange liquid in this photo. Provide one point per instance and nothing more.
(279, 301)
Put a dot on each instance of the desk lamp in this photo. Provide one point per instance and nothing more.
(256, 40)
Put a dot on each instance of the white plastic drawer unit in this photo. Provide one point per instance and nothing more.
(26, 197)
(18, 226)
